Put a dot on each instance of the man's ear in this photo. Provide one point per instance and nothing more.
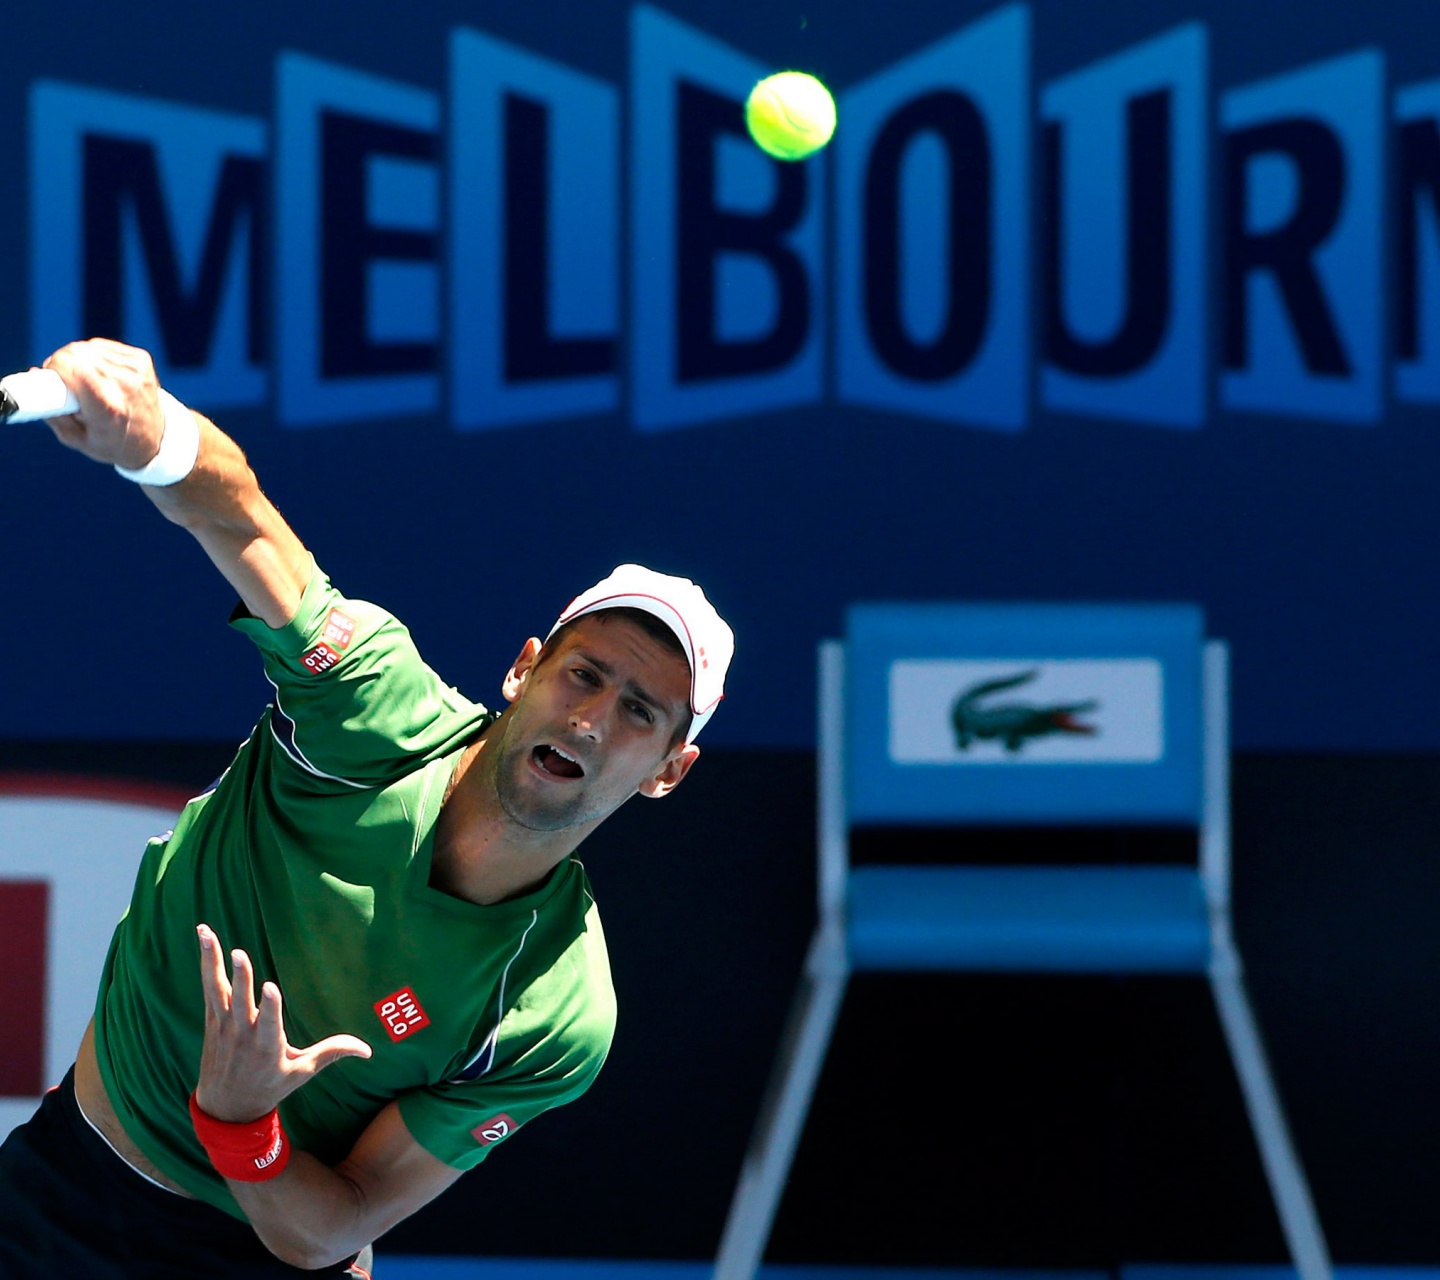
(671, 772)
(515, 678)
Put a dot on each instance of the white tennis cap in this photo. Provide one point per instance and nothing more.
(708, 642)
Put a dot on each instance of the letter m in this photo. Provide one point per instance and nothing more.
(148, 226)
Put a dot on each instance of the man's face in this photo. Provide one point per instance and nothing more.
(591, 725)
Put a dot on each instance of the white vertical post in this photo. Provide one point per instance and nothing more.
(1283, 1170)
(1298, 1219)
(1215, 775)
(830, 832)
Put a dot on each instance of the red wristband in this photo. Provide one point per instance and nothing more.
(253, 1151)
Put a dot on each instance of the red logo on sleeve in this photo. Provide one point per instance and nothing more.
(320, 659)
(493, 1129)
(339, 630)
(401, 1014)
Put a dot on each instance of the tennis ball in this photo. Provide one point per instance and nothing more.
(790, 115)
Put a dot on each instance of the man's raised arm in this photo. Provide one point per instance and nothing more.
(122, 421)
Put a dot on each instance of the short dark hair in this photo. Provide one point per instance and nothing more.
(657, 631)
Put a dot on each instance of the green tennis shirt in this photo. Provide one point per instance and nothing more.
(313, 853)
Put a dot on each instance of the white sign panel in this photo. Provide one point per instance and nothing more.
(1024, 711)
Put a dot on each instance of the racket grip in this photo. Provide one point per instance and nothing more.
(34, 394)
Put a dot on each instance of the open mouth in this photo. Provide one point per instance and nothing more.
(556, 763)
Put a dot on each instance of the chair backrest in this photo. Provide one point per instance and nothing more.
(1023, 714)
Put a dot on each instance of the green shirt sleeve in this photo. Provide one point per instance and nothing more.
(354, 702)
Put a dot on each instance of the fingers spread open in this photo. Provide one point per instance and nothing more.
(331, 1049)
(212, 973)
(270, 1022)
(242, 1000)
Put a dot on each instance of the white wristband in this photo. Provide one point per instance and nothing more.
(179, 447)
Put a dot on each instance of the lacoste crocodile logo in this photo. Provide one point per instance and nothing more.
(1013, 723)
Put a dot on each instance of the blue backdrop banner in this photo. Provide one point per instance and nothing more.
(1136, 301)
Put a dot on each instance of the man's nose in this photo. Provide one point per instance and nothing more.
(588, 719)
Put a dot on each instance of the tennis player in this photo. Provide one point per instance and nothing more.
(367, 955)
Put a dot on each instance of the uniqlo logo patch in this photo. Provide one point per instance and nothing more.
(493, 1129)
(320, 659)
(339, 630)
(401, 1014)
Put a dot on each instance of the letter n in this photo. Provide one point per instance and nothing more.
(148, 226)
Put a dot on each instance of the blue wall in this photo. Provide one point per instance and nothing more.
(1137, 301)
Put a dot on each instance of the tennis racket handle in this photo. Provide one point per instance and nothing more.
(37, 393)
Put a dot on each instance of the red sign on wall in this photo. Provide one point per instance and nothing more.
(24, 913)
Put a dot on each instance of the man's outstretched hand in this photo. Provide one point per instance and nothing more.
(247, 1065)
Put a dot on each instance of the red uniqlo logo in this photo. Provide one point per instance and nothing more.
(402, 1014)
(320, 659)
(493, 1129)
(339, 629)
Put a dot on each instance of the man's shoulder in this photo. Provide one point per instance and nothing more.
(576, 978)
(588, 941)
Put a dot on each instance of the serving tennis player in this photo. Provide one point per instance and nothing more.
(366, 956)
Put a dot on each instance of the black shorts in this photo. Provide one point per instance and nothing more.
(69, 1206)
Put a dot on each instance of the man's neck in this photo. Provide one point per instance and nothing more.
(482, 855)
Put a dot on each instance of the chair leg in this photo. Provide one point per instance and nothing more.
(1283, 1170)
(803, 1046)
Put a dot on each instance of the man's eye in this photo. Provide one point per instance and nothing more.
(641, 710)
(585, 674)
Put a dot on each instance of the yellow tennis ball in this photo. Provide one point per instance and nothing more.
(790, 115)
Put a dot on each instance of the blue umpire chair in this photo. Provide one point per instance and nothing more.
(947, 715)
